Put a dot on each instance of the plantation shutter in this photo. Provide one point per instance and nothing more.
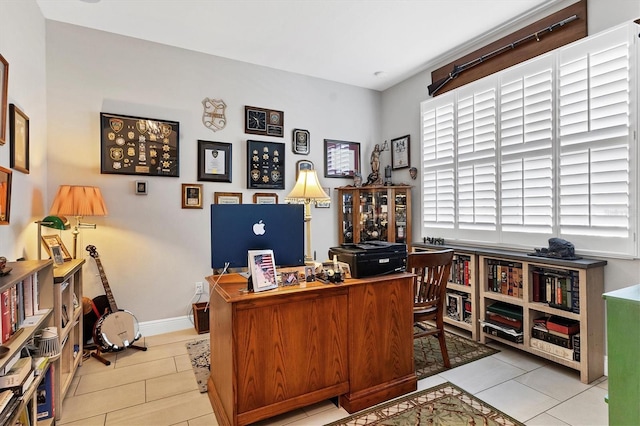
(594, 135)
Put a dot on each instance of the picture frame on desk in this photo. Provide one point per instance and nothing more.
(263, 269)
(53, 240)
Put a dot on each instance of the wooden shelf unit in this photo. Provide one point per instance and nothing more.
(470, 290)
(67, 283)
(590, 274)
(40, 273)
(374, 213)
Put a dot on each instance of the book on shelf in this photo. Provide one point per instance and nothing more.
(5, 314)
(24, 386)
(502, 332)
(504, 320)
(506, 309)
(9, 410)
(550, 348)
(5, 398)
(563, 325)
(44, 396)
(575, 340)
(16, 375)
(454, 306)
(543, 334)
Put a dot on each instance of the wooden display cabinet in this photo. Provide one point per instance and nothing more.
(374, 213)
(37, 274)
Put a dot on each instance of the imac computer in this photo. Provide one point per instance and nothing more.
(238, 228)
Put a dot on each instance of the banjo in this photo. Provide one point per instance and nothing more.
(117, 328)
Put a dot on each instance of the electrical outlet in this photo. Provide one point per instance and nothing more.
(199, 287)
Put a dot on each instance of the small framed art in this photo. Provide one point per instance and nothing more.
(303, 165)
(227, 197)
(324, 204)
(19, 128)
(263, 121)
(4, 93)
(342, 159)
(262, 266)
(300, 143)
(265, 198)
(56, 253)
(53, 240)
(400, 153)
(191, 196)
(141, 187)
(5, 195)
(214, 161)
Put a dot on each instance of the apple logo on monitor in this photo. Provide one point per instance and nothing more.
(258, 228)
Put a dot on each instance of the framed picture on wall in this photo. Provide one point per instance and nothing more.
(5, 195)
(4, 93)
(214, 161)
(227, 197)
(191, 196)
(265, 165)
(400, 158)
(265, 198)
(341, 158)
(19, 128)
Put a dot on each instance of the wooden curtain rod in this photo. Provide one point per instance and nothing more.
(457, 69)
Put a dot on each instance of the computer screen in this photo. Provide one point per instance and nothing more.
(238, 228)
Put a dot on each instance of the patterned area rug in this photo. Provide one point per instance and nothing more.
(445, 404)
(199, 355)
(428, 358)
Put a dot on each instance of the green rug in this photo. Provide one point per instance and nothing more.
(445, 404)
(426, 352)
(428, 358)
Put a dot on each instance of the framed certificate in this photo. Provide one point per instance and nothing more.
(214, 161)
(400, 152)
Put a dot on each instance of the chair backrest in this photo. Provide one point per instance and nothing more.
(432, 270)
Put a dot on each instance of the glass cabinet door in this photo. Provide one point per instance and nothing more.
(347, 217)
(374, 214)
(401, 216)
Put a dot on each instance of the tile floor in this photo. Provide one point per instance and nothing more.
(157, 387)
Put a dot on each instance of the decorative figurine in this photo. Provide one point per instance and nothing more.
(413, 172)
(374, 177)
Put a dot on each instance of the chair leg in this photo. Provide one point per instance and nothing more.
(443, 349)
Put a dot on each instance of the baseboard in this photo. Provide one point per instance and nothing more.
(167, 325)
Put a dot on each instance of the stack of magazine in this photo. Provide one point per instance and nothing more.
(505, 321)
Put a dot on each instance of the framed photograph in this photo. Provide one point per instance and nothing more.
(141, 187)
(262, 267)
(263, 121)
(341, 158)
(303, 165)
(400, 152)
(214, 161)
(300, 143)
(191, 196)
(19, 129)
(139, 146)
(309, 273)
(324, 204)
(5, 195)
(56, 253)
(53, 240)
(265, 198)
(227, 197)
(289, 278)
(4, 96)
(454, 306)
(265, 165)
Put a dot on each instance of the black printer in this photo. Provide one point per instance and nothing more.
(372, 258)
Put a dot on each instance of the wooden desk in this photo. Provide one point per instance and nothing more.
(274, 351)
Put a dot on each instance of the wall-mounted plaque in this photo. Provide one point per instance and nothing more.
(139, 146)
(265, 165)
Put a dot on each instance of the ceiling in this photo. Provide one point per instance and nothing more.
(368, 43)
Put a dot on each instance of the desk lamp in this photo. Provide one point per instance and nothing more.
(307, 190)
(79, 201)
(54, 222)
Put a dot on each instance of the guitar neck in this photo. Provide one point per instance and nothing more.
(105, 284)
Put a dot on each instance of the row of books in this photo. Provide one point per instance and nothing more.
(458, 306)
(560, 289)
(504, 277)
(18, 378)
(460, 273)
(17, 303)
(505, 321)
(557, 336)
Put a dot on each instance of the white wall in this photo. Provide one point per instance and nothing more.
(401, 111)
(153, 251)
(22, 43)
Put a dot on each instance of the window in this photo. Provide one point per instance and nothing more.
(545, 148)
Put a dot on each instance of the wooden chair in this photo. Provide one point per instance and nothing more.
(432, 270)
